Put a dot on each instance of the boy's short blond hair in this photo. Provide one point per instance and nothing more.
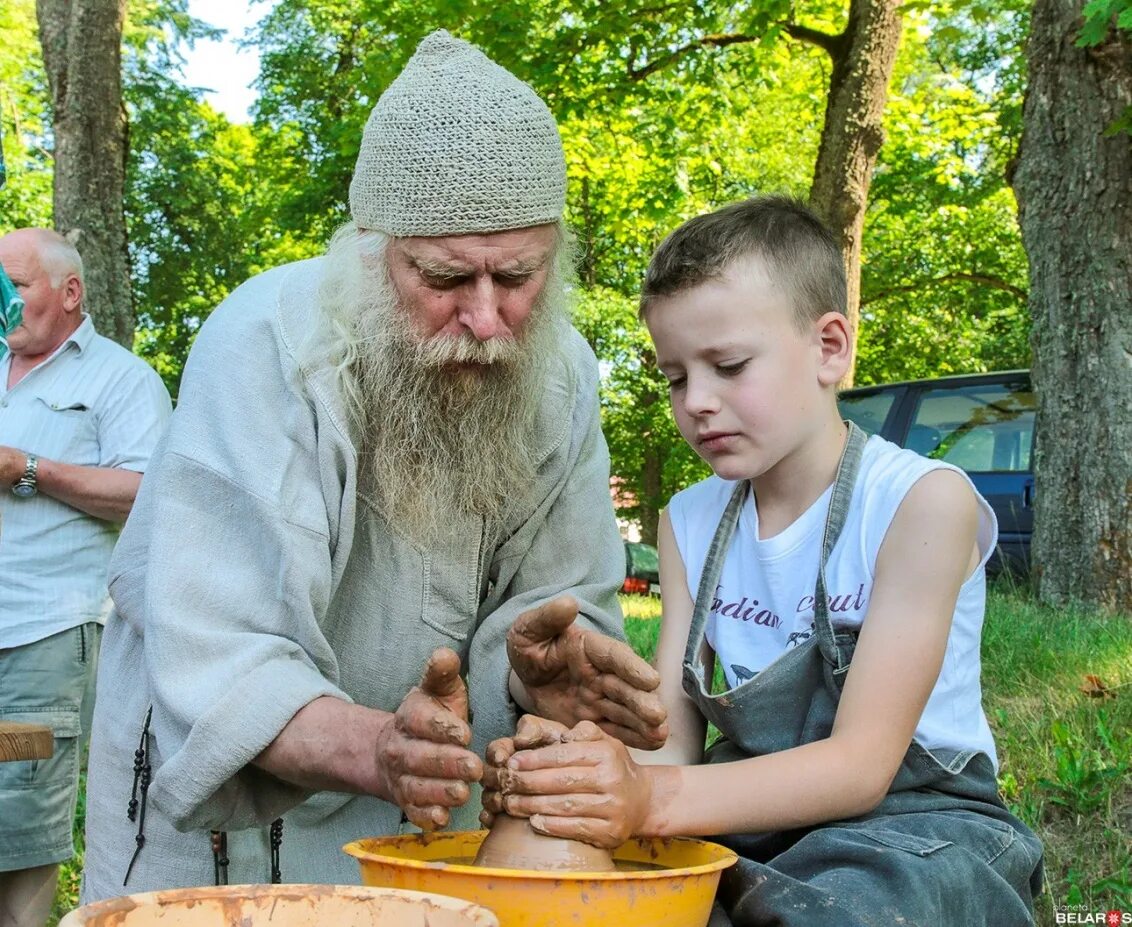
(799, 252)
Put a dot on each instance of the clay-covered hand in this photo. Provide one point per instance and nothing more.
(571, 674)
(585, 787)
(422, 754)
(531, 732)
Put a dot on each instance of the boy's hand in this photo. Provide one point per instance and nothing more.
(571, 675)
(585, 787)
(422, 754)
(530, 733)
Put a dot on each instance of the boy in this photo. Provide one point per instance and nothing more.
(839, 583)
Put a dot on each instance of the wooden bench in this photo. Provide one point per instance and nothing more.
(25, 741)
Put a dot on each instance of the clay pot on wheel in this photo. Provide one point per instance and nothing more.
(514, 844)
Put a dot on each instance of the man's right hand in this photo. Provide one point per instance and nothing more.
(422, 753)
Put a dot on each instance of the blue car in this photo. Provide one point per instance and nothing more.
(983, 423)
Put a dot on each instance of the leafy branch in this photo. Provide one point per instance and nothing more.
(995, 283)
(833, 44)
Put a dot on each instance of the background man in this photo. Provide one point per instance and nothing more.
(79, 417)
(386, 459)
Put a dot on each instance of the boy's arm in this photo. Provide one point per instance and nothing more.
(929, 550)
(686, 726)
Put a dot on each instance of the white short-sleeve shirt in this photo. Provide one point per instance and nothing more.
(763, 604)
(93, 404)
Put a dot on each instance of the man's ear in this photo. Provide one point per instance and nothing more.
(835, 340)
(72, 293)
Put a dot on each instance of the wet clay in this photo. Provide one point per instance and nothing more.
(514, 844)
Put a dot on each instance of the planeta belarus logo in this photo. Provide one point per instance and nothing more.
(1075, 914)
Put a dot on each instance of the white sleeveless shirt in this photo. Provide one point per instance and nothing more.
(764, 602)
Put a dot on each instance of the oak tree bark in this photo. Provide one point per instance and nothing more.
(863, 57)
(1074, 187)
(82, 41)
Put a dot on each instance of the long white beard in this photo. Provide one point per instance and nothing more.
(445, 424)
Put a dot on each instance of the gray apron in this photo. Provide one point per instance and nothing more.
(941, 848)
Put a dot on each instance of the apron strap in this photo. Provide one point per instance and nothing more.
(698, 652)
(843, 483)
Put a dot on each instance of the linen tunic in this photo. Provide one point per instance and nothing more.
(253, 577)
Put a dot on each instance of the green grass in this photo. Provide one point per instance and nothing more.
(1066, 757)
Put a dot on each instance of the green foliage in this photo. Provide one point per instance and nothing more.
(1100, 17)
(25, 120)
(665, 111)
(944, 275)
(634, 400)
(200, 193)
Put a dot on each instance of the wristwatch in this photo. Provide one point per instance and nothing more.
(25, 487)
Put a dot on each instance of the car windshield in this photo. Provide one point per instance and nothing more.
(645, 558)
(986, 429)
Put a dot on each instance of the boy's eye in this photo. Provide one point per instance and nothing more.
(730, 370)
(676, 382)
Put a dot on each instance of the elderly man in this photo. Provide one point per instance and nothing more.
(384, 461)
(79, 416)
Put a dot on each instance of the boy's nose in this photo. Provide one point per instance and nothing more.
(699, 399)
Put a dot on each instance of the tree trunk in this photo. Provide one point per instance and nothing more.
(82, 42)
(651, 500)
(863, 57)
(1074, 189)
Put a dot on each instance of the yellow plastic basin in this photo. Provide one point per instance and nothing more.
(679, 894)
(281, 906)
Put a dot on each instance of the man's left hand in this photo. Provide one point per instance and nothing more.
(571, 674)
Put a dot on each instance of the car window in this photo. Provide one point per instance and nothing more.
(867, 411)
(644, 557)
(984, 429)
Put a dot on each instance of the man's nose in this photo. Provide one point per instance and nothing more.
(480, 309)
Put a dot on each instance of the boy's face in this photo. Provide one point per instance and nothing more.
(748, 388)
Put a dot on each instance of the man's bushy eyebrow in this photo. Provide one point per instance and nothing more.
(445, 270)
(439, 268)
(522, 268)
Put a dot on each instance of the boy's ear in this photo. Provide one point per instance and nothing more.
(835, 338)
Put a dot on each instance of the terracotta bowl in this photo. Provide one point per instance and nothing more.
(282, 906)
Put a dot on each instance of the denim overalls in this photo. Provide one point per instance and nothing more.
(940, 849)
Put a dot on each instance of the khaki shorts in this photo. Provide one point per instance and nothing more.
(50, 682)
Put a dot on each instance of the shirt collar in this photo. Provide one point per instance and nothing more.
(81, 336)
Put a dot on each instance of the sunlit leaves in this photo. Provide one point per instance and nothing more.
(25, 120)
(1101, 16)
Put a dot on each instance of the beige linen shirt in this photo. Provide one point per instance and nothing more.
(254, 577)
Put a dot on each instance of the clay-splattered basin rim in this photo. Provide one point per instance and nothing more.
(224, 905)
(678, 856)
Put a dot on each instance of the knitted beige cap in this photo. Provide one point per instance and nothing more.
(457, 144)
